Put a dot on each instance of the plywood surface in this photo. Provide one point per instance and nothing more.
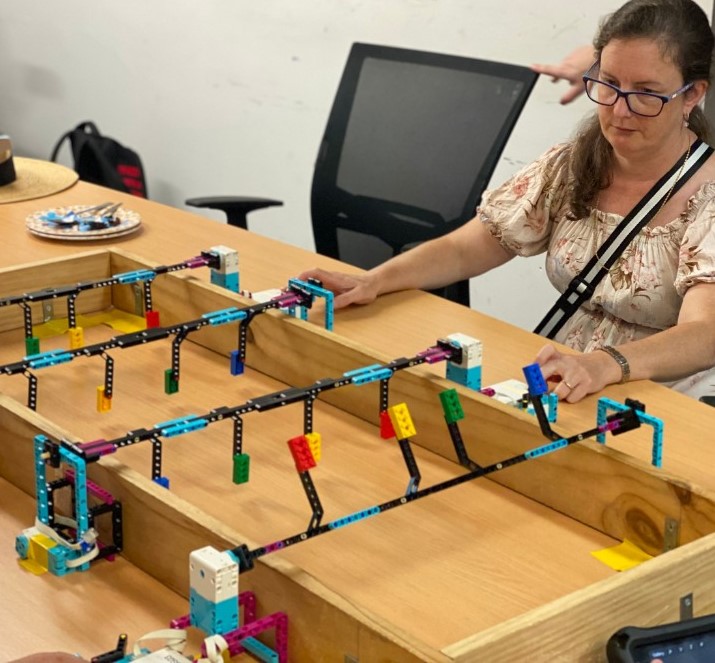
(508, 556)
(462, 561)
(45, 613)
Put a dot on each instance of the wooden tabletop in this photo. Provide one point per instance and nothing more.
(464, 563)
(396, 324)
(81, 613)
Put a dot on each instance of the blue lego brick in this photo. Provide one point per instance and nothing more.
(228, 281)
(468, 377)
(357, 371)
(163, 481)
(22, 546)
(137, 275)
(368, 374)
(551, 403)
(606, 404)
(224, 316)
(43, 513)
(49, 358)
(237, 366)
(354, 517)
(182, 425)
(535, 379)
(213, 618)
(57, 558)
(260, 651)
(546, 449)
(317, 291)
(374, 374)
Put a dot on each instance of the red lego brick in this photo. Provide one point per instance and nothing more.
(152, 319)
(387, 430)
(300, 450)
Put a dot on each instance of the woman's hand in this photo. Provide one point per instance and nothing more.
(570, 69)
(347, 288)
(578, 375)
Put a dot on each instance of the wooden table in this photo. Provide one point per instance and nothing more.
(394, 324)
(362, 565)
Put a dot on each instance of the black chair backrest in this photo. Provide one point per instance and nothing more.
(411, 142)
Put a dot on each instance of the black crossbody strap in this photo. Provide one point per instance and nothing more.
(583, 284)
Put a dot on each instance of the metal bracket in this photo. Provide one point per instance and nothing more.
(686, 607)
(48, 310)
(138, 291)
(671, 534)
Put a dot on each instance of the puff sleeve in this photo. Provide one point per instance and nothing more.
(696, 258)
(521, 212)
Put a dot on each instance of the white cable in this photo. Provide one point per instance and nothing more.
(89, 537)
(215, 645)
(175, 639)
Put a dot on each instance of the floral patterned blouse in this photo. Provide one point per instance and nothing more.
(644, 290)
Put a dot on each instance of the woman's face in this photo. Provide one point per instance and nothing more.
(638, 65)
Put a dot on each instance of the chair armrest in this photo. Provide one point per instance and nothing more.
(235, 207)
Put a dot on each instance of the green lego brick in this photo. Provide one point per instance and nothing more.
(32, 346)
(171, 386)
(241, 465)
(451, 406)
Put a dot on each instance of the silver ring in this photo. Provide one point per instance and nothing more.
(568, 385)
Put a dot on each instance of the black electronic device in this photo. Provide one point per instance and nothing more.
(7, 165)
(708, 400)
(688, 641)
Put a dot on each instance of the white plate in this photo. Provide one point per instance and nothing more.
(129, 222)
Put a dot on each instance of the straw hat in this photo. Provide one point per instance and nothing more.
(35, 179)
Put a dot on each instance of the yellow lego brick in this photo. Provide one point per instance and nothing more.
(37, 560)
(401, 421)
(315, 445)
(104, 404)
(76, 335)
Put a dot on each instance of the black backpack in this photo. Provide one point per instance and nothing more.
(102, 160)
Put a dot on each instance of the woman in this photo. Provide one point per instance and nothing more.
(657, 304)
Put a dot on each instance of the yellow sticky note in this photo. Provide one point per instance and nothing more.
(622, 557)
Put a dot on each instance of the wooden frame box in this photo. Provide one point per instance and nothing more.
(614, 494)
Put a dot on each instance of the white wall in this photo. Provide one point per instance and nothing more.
(231, 96)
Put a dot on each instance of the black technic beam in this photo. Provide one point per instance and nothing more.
(264, 403)
(179, 331)
(621, 423)
(203, 260)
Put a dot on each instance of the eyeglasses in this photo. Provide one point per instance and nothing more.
(648, 104)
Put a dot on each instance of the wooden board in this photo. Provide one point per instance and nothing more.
(380, 564)
(614, 493)
(635, 495)
(56, 271)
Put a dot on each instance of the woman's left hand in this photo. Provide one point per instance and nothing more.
(578, 375)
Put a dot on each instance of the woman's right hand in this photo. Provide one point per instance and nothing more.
(347, 288)
(570, 69)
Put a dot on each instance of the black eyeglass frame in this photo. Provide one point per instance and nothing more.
(664, 98)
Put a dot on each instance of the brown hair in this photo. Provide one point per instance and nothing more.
(683, 32)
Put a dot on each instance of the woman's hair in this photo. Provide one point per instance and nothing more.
(683, 32)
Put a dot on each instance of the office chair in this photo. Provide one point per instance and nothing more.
(410, 144)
